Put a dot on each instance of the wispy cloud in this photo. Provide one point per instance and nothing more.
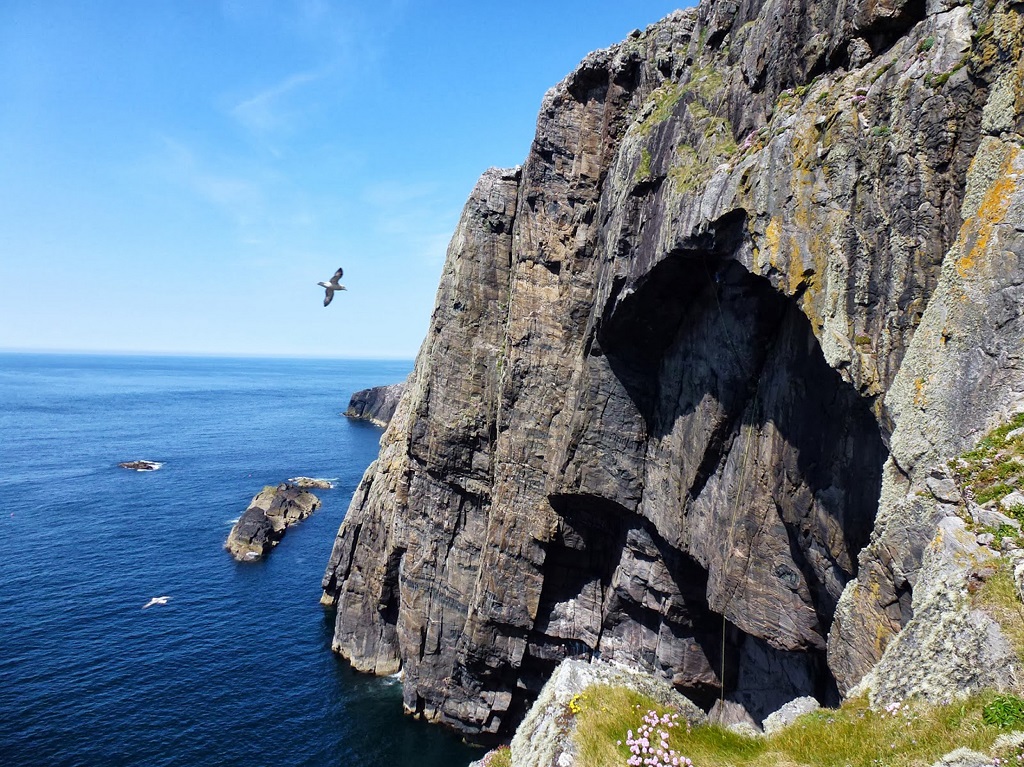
(240, 197)
(415, 215)
(265, 111)
(392, 193)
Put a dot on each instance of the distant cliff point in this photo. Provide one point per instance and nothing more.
(376, 405)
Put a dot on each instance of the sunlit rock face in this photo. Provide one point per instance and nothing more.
(694, 364)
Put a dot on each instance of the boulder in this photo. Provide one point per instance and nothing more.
(964, 757)
(788, 714)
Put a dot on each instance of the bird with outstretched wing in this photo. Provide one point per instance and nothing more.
(332, 285)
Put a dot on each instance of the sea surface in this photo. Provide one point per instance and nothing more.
(236, 668)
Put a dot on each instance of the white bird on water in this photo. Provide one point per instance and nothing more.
(155, 601)
(332, 286)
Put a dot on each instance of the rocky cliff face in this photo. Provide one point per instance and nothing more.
(695, 369)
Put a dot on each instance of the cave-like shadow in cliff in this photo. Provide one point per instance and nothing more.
(701, 332)
(613, 584)
(728, 369)
(615, 588)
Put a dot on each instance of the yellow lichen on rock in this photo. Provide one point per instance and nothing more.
(920, 395)
(977, 231)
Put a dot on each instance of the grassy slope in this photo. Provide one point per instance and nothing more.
(851, 735)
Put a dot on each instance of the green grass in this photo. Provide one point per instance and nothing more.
(998, 597)
(995, 468)
(937, 81)
(851, 736)
(882, 70)
(688, 172)
(665, 97)
(499, 757)
(643, 171)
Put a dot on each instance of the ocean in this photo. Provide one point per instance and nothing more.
(236, 667)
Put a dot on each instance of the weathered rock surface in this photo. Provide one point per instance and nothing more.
(789, 713)
(376, 405)
(545, 737)
(696, 368)
(947, 649)
(270, 513)
(964, 757)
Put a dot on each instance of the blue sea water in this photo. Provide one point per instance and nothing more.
(236, 668)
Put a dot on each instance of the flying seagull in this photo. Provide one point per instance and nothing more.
(155, 601)
(332, 286)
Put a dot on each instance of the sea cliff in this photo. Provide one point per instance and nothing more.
(697, 368)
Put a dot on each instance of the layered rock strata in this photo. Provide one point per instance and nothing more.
(696, 367)
(376, 405)
(265, 521)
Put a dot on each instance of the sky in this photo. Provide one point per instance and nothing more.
(177, 175)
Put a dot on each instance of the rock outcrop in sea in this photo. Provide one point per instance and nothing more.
(376, 405)
(140, 465)
(697, 369)
(265, 521)
(311, 483)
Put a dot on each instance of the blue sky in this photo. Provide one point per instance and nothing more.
(177, 175)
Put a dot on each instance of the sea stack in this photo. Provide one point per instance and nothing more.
(376, 405)
(269, 515)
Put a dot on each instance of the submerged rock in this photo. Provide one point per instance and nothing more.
(141, 465)
(263, 524)
(311, 482)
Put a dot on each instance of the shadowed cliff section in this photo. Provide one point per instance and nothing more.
(666, 383)
(736, 394)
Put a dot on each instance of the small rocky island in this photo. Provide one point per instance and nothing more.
(269, 515)
(375, 405)
(311, 482)
(140, 465)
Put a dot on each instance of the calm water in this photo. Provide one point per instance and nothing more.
(236, 668)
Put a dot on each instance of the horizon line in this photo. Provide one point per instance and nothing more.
(195, 354)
